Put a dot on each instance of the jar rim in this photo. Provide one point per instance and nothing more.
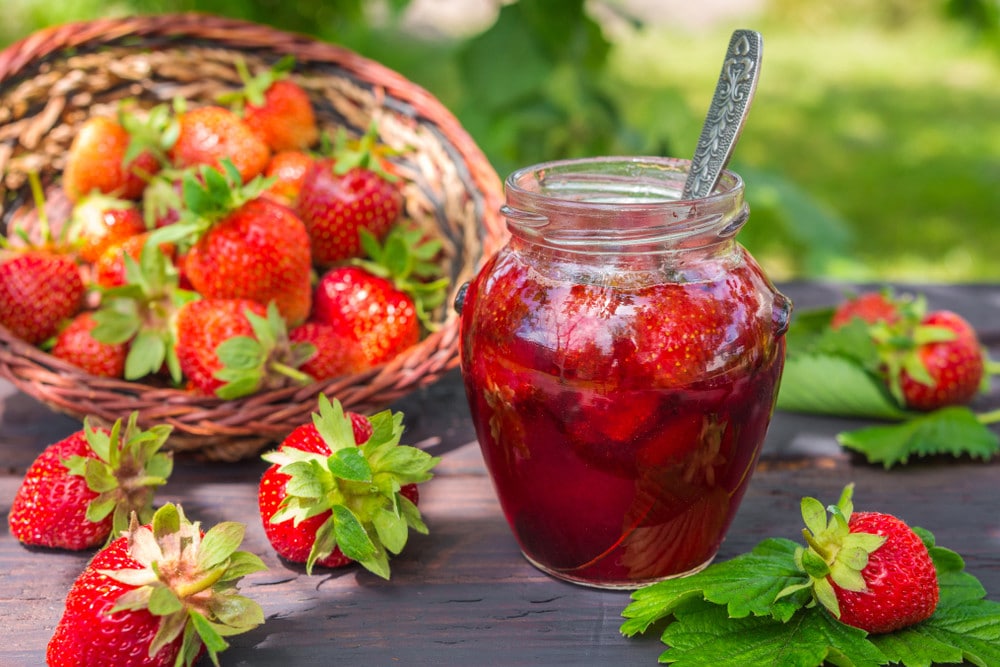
(586, 170)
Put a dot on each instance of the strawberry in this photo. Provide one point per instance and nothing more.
(340, 490)
(40, 282)
(201, 326)
(868, 569)
(950, 368)
(288, 171)
(242, 246)
(160, 595)
(109, 269)
(232, 348)
(871, 308)
(929, 360)
(335, 353)
(76, 344)
(209, 134)
(342, 195)
(275, 107)
(39, 289)
(83, 489)
(117, 156)
(382, 303)
(99, 222)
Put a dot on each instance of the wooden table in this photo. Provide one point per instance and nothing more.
(464, 594)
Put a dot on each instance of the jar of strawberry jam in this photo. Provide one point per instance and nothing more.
(621, 357)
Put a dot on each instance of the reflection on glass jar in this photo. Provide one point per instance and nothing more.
(621, 357)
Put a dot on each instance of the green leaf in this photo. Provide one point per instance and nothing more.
(746, 585)
(208, 633)
(145, 355)
(391, 528)
(219, 543)
(702, 634)
(350, 464)
(967, 631)
(163, 601)
(352, 538)
(952, 430)
(834, 385)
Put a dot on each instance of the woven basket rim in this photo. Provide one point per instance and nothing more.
(29, 367)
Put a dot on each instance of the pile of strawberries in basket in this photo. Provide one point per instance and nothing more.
(227, 248)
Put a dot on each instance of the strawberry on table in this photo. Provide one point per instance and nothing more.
(210, 134)
(275, 107)
(382, 303)
(162, 594)
(76, 344)
(871, 307)
(868, 569)
(342, 489)
(83, 489)
(347, 193)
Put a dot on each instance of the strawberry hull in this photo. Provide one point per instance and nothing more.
(621, 409)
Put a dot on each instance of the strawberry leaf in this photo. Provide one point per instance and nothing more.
(834, 385)
(952, 430)
(350, 464)
(352, 538)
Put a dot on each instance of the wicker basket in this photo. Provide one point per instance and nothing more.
(53, 80)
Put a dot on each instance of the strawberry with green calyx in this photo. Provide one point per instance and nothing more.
(40, 283)
(758, 608)
(140, 313)
(343, 489)
(160, 595)
(383, 302)
(346, 193)
(238, 245)
(267, 359)
(82, 490)
(870, 570)
(118, 156)
(275, 107)
(76, 344)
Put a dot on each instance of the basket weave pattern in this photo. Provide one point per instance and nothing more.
(52, 81)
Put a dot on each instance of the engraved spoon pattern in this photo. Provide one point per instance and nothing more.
(727, 113)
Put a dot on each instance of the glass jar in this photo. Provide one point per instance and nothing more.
(621, 357)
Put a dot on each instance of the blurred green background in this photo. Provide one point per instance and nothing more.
(872, 151)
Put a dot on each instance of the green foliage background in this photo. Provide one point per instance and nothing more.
(873, 147)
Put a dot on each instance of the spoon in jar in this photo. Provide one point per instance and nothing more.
(727, 114)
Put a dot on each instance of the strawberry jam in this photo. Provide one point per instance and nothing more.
(621, 357)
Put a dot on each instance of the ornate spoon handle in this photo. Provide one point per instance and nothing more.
(727, 113)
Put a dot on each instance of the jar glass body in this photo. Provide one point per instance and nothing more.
(621, 357)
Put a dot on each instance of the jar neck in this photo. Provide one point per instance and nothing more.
(616, 206)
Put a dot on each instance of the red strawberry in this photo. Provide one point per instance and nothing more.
(871, 307)
(210, 134)
(82, 489)
(335, 355)
(117, 157)
(99, 222)
(241, 245)
(869, 569)
(382, 304)
(949, 370)
(76, 344)
(288, 169)
(203, 325)
(158, 596)
(342, 195)
(39, 289)
(275, 107)
(338, 491)
(109, 268)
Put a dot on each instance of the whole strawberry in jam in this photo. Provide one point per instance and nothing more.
(342, 489)
(344, 194)
(869, 569)
(159, 596)
(83, 489)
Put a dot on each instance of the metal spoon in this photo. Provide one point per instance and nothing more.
(727, 113)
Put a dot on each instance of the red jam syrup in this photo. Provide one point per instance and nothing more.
(620, 418)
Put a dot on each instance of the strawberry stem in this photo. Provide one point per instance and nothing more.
(992, 367)
(820, 550)
(991, 417)
(39, 197)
